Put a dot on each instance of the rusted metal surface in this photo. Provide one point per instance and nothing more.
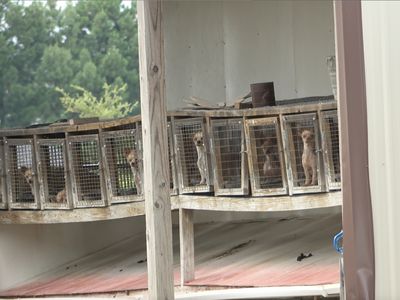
(251, 254)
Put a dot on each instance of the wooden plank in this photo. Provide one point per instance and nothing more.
(186, 238)
(155, 154)
(193, 202)
(265, 204)
(119, 211)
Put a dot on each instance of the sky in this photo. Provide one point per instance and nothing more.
(63, 3)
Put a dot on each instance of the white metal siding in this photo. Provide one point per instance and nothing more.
(381, 25)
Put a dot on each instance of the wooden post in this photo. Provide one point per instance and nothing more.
(186, 237)
(155, 151)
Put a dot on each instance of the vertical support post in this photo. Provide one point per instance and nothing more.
(358, 238)
(155, 150)
(186, 236)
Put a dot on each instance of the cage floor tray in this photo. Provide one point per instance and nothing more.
(247, 254)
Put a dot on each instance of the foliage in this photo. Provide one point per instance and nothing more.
(87, 44)
(85, 104)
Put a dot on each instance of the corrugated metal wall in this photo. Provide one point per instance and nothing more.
(381, 29)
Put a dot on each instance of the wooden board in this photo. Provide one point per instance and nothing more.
(155, 150)
(125, 210)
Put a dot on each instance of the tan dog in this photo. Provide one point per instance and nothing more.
(61, 196)
(309, 159)
(134, 161)
(28, 175)
(271, 167)
(201, 157)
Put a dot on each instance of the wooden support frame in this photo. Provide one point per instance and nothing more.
(186, 243)
(44, 148)
(113, 145)
(292, 146)
(20, 153)
(330, 146)
(79, 174)
(172, 161)
(3, 186)
(257, 131)
(187, 168)
(228, 146)
(155, 150)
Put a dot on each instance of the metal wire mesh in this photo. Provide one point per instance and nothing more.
(124, 164)
(228, 142)
(302, 150)
(2, 181)
(52, 167)
(266, 158)
(86, 168)
(21, 171)
(188, 154)
(171, 160)
(332, 143)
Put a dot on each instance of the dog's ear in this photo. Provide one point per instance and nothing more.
(127, 151)
(23, 170)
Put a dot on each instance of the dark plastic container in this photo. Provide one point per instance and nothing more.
(263, 94)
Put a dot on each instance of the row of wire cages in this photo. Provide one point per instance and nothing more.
(76, 169)
(262, 156)
(291, 154)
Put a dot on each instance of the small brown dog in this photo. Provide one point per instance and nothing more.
(134, 161)
(201, 157)
(28, 175)
(271, 167)
(309, 159)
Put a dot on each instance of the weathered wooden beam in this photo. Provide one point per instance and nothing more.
(186, 238)
(155, 150)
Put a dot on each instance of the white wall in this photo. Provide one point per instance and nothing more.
(28, 250)
(381, 25)
(215, 49)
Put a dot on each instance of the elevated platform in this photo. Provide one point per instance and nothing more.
(196, 202)
(228, 257)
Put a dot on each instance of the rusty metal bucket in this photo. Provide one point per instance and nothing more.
(263, 94)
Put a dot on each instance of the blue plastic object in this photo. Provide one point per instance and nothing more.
(337, 242)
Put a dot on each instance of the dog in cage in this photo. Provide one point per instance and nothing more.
(309, 159)
(134, 161)
(27, 173)
(61, 196)
(198, 141)
(271, 167)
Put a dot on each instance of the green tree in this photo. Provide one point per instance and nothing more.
(109, 105)
(42, 47)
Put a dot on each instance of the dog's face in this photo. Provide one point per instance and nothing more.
(28, 175)
(268, 146)
(198, 139)
(307, 136)
(132, 157)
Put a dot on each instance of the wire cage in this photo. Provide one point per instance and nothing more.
(22, 180)
(330, 146)
(55, 191)
(173, 185)
(266, 161)
(303, 153)
(122, 152)
(3, 188)
(192, 148)
(228, 153)
(88, 187)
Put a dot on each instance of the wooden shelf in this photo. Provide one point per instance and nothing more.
(195, 202)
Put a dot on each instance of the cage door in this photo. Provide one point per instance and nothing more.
(301, 140)
(266, 161)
